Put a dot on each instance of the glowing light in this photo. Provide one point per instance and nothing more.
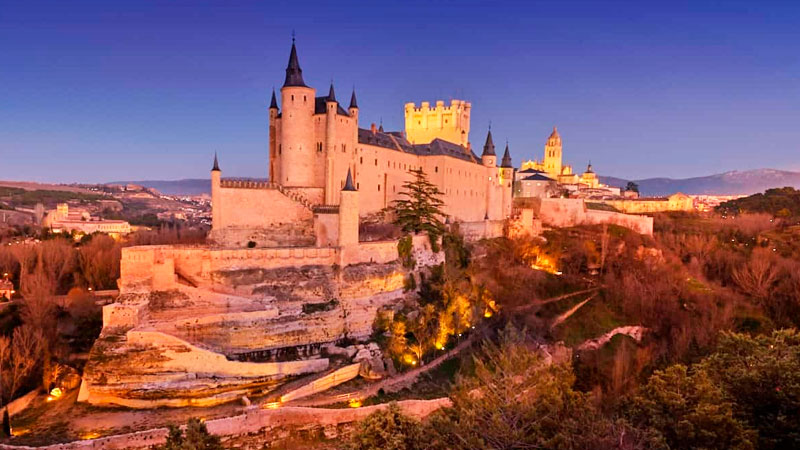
(56, 392)
(273, 405)
(488, 313)
(354, 403)
(90, 435)
(49, 398)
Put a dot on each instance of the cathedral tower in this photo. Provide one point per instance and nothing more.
(552, 155)
(296, 147)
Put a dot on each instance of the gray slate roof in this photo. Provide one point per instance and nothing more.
(537, 177)
(394, 140)
(320, 107)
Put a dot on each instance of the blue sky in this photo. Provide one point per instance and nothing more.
(109, 90)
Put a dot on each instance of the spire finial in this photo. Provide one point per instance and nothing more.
(216, 163)
(273, 104)
(488, 147)
(294, 74)
(348, 183)
(353, 103)
(331, 94)
(293, 35)
(506, 159)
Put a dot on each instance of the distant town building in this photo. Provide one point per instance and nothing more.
(64, 220)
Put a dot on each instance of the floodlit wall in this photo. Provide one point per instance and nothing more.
(568, 212)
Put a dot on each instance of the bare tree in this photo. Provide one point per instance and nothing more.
(757, 276)
(18, 358)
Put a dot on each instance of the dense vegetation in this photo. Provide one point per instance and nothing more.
(716, 299)
(778, 202)
(29, 198)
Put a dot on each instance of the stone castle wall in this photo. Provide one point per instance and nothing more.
(568, 212)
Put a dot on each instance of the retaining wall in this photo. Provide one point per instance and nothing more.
(253, 420)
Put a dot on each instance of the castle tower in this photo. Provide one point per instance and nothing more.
(216, 202)
(506, 179)
(353, 110)
(552, 154)
(348, 213)
(274, 173)
(331, 106)
(488, 157)
(296, 146)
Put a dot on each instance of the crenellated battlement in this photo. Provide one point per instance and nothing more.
(449, 123)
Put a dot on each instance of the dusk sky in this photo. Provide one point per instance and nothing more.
(137, 90)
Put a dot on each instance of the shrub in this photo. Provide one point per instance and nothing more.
(387, 429)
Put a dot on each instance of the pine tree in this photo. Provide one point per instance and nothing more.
(420, 209)
(195, 438)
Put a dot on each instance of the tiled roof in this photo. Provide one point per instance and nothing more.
(531, 170)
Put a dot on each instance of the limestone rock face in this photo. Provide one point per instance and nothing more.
(242, 330)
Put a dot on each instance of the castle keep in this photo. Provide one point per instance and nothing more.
(314, 141)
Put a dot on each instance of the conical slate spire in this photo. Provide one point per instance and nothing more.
(294, 74)
(353, 103)
(488, 147)
(331, 94)
(348, 184)
(273, 104)
(506, 159)
(216, 164)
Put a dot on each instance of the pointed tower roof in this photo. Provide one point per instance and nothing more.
(589, 168)
(273, 104)
(554, 135)
(331, 94)
(348, 184)
(488, 147)
(353, 103)
(216, 164)
(506, 159)
(294, 74)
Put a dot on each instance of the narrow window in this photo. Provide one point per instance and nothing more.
(436, 169)
(376, 162)
(361, 160)
(292, 97)
(379, 188)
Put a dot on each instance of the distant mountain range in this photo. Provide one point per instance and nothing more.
(728, 183)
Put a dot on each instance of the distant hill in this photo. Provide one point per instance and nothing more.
(190, 186)
(729, 183)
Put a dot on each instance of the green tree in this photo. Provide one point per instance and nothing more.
(196, 437)
(387, 429)
(690, 412)
(515, 399)
(762, 376)
(419, 208)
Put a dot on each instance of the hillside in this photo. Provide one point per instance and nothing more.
(728, 183)
(189, 186)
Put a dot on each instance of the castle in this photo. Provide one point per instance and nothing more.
(314, 142)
